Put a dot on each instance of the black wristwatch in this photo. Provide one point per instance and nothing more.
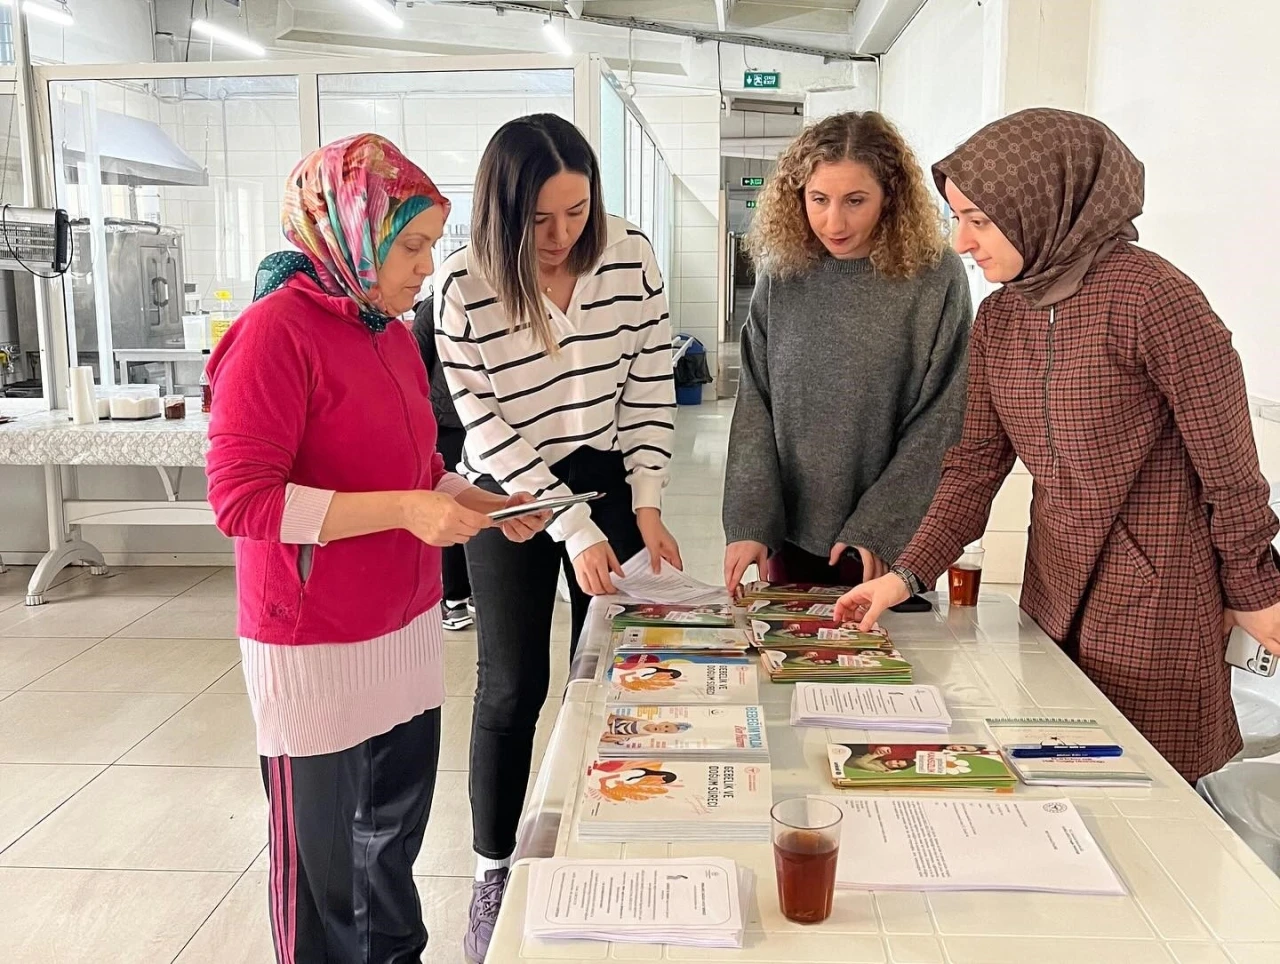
(914, 585)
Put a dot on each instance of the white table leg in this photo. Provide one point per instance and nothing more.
(65, 545)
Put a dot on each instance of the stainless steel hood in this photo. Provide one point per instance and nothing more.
(132, 151)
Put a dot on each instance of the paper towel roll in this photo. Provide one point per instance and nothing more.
(84, 407)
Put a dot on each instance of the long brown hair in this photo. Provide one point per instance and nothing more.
(522, 156)
(909, 236)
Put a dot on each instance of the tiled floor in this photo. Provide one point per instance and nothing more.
(132, 818)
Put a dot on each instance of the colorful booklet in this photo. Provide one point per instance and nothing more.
(918, 766)
(683, 678)
(789, 630)
(674, 639)
(796, 590)
(661, 799)
(801, 607)
(685, 732)
(712, 615)
(831, 665)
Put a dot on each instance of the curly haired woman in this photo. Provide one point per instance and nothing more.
(853, 360)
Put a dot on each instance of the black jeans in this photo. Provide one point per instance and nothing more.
(344, 831)
(453, 558)
(514, 588)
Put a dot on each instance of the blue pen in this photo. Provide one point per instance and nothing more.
(1050, 752)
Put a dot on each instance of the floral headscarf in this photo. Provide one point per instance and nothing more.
(343, 207)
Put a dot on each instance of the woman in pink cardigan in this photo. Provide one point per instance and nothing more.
(323, 466)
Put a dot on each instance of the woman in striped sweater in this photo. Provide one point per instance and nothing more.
(554, 334)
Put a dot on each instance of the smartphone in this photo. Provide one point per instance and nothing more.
(916, 604)
(1250, 655)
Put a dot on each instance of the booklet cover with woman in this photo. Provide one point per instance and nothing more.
(683, 678)
(920, 766)
(714, 615)
(625, 800)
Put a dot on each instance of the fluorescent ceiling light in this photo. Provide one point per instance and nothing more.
(59, 15)
(381, 11)
(229, 37)
(557, 39)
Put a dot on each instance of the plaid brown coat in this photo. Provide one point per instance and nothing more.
(1127, 404)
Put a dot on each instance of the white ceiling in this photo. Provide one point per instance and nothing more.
(307, 28)
(471, 26)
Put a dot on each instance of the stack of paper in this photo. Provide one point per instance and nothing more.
(657, 799)
(668, 585)
(1054, 752)
(695, 902)
(674, 639)
(708, 615)
(684, 732)
(870, 707)
(835, 665)
(682, 678)
(918, 766)
(914, 843)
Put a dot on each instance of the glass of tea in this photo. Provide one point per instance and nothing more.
(964, 578)
(806, 844)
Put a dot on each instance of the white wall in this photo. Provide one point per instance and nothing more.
(687, 129)
(105, 32)
(942, 79)
(1192, 89)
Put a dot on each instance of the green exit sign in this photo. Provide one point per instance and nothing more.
(753, 182)
(761, 80)
(750, 205)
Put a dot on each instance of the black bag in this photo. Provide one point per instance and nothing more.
(692, 370)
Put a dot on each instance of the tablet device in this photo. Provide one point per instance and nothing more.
(550, 504)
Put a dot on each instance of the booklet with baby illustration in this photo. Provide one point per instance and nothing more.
(687, 732)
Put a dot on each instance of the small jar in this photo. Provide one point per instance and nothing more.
(175, 407)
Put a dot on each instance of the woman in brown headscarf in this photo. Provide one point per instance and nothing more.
(1104, 369)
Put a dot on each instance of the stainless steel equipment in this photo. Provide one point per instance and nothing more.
(145, 274)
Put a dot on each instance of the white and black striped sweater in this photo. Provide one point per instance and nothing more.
(610, 387)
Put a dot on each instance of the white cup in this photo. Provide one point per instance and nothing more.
(194, 331)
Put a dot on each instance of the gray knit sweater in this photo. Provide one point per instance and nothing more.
(852, 389)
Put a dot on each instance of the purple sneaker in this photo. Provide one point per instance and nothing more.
(486, 899)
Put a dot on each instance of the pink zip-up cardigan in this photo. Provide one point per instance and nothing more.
(305, 393)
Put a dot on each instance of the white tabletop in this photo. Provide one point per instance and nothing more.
(1198, 894)
(49, 438)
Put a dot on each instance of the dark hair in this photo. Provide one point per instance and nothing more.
(522, 156)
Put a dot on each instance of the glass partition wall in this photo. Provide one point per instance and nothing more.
(636, 176)
(173, 176)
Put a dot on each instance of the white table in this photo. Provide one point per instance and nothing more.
(48, 439)
(1198, 894)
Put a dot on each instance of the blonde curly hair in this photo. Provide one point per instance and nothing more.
(909, 236)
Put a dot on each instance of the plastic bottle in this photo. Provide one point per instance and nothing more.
(221, 317)
(206, 387)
